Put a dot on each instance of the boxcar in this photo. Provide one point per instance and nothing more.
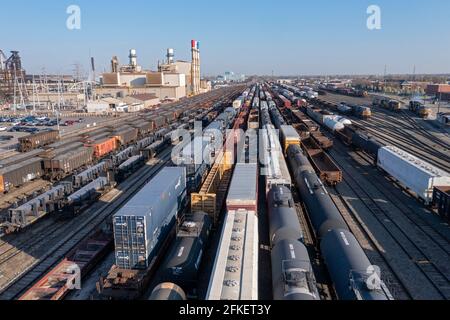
(18, 174)
(38, 140)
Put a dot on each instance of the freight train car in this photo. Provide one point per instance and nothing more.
(18, 158)
(350, 268)
(103, 147)
(274, 164)
(125, 135)
(322, 212)
(168, 292)
(143, 229)
(283, 219)
(81, 179)
(183, 259)
(46, 203)
(289, 136)
(123, 155)
(85, 196)
(58, 282)
(411, 172)
(441, 201)
(63, 165)
(235, 271)
(38, 140)
(17, 175)
(142, 225)
(126, 169)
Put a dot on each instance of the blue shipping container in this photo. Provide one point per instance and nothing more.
(144, 223)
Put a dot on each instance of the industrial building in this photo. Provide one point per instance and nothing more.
(172, 81)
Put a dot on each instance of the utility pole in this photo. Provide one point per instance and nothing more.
(439, 104)
(59, 107)
(34, 97)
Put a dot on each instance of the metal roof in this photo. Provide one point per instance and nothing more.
(235, 273)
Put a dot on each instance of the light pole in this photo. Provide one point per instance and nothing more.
(439, 102)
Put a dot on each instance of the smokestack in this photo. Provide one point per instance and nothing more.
(133, 58)
(114, 64)
(170, 56)
(195, 69)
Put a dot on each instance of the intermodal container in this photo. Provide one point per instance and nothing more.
(142, 225)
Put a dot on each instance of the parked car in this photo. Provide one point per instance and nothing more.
(3, 129)
(69, 123)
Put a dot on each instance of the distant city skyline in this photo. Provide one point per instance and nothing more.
(287, 37)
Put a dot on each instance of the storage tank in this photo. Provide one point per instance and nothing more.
(344, 121)
(283, 218)
(168, 292)
(333, 124)
(292, 275)
(322, 211)
(349, 268)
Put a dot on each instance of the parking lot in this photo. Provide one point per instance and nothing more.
(14, 128)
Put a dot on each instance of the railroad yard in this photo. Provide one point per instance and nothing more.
(303, 197)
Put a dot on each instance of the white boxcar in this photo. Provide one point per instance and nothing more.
(413, 173)
(235, 273)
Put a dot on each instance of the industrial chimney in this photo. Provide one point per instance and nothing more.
(170, 56)
(133, 58)
(114, 64)
(195, 68)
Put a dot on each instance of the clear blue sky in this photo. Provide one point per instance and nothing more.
(247, 36)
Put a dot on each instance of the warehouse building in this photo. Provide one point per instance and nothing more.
(148, 100)
(436, 89)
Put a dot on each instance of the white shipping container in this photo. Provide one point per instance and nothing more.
(413, 173)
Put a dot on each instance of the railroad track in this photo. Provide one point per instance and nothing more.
(431, 142)
(416, 125)
(409, 143)
(401, 121)
(391, 128)
(24, 192)
(411, 235)
(17, 285)
(371, 247)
